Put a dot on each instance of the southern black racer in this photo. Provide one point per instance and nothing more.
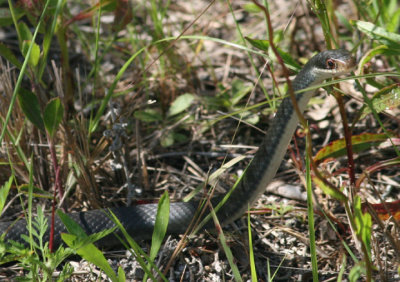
(139, 220)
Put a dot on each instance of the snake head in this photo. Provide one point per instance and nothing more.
(326, 64)
(331, 63)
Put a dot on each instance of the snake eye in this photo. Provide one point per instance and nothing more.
(330, 64)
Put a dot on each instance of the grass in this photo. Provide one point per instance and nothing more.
(181, 77)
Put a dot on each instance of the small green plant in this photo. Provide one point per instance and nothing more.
(38, 261)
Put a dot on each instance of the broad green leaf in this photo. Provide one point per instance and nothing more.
(251, 118)
(363, 223)
(343, 20)
(30, 106)
(356, 271)
(251, 8)
(72, 227)
(121, 275)
(53, 114)
(36, 191)
(148, 115)
(179, 137)
(4, 192)
(136, 251)
(35, 53)
(370, 54)
(333, 192)
(264, 46)
(387, 98)
(180, 104)
(24, 32)
(360, 143)
(239, 90)
(380, 34)
(393, 24)
(167, 139)
(92, 238)
(91, 254)
(5, 17)
(82, 238)
(160, 226)
(22, 72)
(9, 55)
(278, 37)
(287, 59)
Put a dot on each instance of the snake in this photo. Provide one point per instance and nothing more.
(139, 220)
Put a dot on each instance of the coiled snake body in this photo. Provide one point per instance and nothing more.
(139, 220)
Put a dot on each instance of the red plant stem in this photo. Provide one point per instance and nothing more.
(347, 137)
(56, 167)
(280, 60)
(57, 188)
(53, 211)
(292, 95)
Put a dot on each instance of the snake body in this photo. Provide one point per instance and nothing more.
(139, 220)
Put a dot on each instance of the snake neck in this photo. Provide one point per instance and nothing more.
(262, 169)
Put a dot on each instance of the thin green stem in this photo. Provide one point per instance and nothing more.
(311, 228)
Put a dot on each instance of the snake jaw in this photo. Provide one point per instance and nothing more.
(327, 64)
(331, 63)
(345, 66)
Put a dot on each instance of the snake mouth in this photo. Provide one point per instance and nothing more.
(327, 64)
(330, 67)
(345, 66)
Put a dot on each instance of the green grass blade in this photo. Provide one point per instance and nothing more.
(20, 152)
(136, 251)
(380, 34)
(160, 227)
(30, 197)
(311, 229)
(53, 114)
(9, 56)
(251, 252)
(227, 250)
(161, 224)
(83, 244)
(93, 125)
(97, 60)
(29, 104)
(4, 192)
(23, 68)
(47, 39)
(342, 269)
(92, 254)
